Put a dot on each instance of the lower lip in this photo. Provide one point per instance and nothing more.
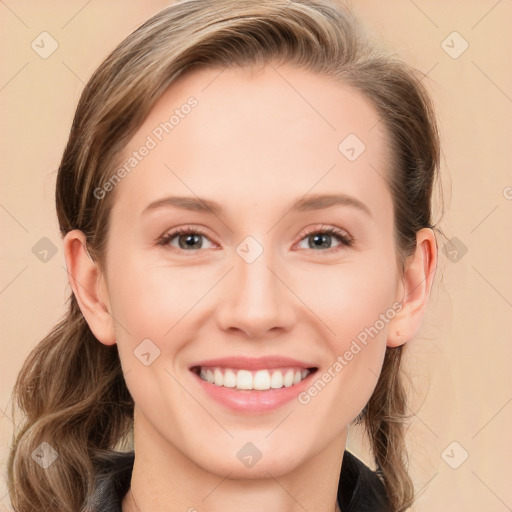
(250, 400)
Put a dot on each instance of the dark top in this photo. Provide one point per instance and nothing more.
(362, 490)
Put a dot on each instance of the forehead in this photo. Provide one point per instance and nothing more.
(261, 132)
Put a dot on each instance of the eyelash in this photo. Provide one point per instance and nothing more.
(344, 239)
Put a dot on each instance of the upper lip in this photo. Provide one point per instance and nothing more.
(253, 363)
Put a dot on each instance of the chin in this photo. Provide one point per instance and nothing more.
(250, 463)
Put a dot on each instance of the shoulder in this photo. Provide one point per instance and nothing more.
(360, 489)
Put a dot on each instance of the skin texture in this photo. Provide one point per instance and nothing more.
(253, 144)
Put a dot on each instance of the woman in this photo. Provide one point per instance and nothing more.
(245, 205)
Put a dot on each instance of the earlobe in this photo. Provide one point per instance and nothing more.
(88, 285)
(415, 289)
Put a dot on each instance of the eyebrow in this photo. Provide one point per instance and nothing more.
(303, 204)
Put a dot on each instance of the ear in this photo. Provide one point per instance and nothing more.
(89, 288)
(414, 290)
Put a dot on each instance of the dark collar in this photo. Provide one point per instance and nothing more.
(362, 490)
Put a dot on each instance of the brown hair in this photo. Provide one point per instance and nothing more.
(71, 388)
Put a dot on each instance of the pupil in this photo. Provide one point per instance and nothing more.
(319, 237)
(189, 238)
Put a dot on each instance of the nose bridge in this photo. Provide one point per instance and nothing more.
(255, 299)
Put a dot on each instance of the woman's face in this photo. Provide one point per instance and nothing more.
(257, 284)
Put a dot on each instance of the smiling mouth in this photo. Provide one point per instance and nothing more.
(257, 380)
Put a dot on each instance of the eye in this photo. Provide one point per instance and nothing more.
(321, 238)
(188, 238)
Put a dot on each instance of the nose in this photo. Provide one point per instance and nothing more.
(255, 299)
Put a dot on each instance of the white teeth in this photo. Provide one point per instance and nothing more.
(244, 379)
(277, 380)
(260, 380)
(229, 379)
(217, 375)
(288, 379)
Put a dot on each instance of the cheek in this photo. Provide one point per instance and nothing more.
(356, 305)
(350, 298)
(148, 299)
(151, 305)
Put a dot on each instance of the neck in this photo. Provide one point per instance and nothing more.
(130, 504)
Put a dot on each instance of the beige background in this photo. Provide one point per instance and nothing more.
(460, 363)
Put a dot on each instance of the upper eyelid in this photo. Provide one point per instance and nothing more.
(326, 228)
